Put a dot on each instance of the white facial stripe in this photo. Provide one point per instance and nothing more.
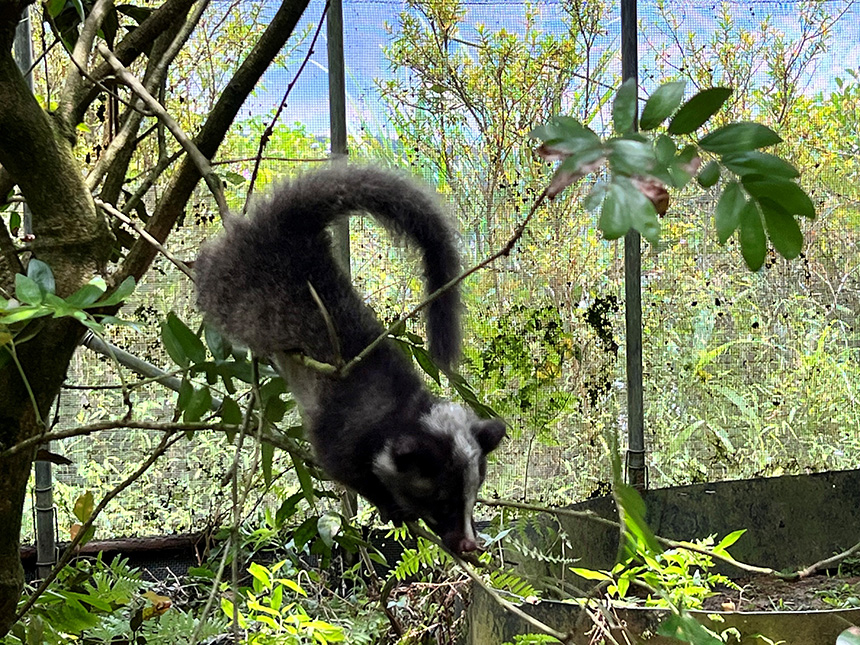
(471, 482)
(383, 464)
(456, 422)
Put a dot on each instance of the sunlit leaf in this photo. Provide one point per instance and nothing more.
(84, 506)
(329, 526)
(633, 505)
(28, 290)
(123, 291)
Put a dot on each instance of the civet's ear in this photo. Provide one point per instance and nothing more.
(488, 433)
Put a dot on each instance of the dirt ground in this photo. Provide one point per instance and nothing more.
(765, 593)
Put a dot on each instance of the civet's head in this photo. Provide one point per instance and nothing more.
(434, 473)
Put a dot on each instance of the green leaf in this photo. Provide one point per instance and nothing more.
(680, 169)
(267, 452)
(661, 104)
(739, 137)
(304, 479)
(591, 574)
(625, 207)
(230, 412)
(562, 128)
(54, 7)
(88, 294)
(643, 214)
(709, 175)
(234, 178)
(28, 290)
(186, 390)
(199, 403)
(575, 164)
(594, 199)
(60, 307)
(173, 347)
(217, 344)
(25, 313)
(84, 506)
(664, 150)
(614, 216)
(122, 292)
(791, 197)
(422, 357)
(687, 629)
(729, 540)
(728, 212)
(192, 346)
(329, 526)
(41, 273)
(629, 157)
(633, 505)
(753, 241)
(695, 112)
(782, 229)
(762, 163)
(624, 106)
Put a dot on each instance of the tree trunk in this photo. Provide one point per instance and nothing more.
(72, 237)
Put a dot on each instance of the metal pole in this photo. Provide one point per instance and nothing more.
(635, 471)
(337, 111)
(339, 153)
(43, 492)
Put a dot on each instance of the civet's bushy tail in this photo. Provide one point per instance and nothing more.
(254, 280)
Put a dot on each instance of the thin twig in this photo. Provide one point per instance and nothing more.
(267, 133)
(590, 516)
(82, 431)
(222, 162)
(478, 580)
(505, 251)
(197, 157)
(112, 210)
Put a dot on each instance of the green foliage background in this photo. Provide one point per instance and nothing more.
(745, 374)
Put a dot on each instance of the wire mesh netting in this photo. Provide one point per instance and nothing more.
(746, 374)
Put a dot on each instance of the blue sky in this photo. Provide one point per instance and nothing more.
(365, 35)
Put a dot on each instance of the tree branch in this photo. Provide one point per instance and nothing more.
(127, 50)
(212, 133)
(80, 61)
(200, 161)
